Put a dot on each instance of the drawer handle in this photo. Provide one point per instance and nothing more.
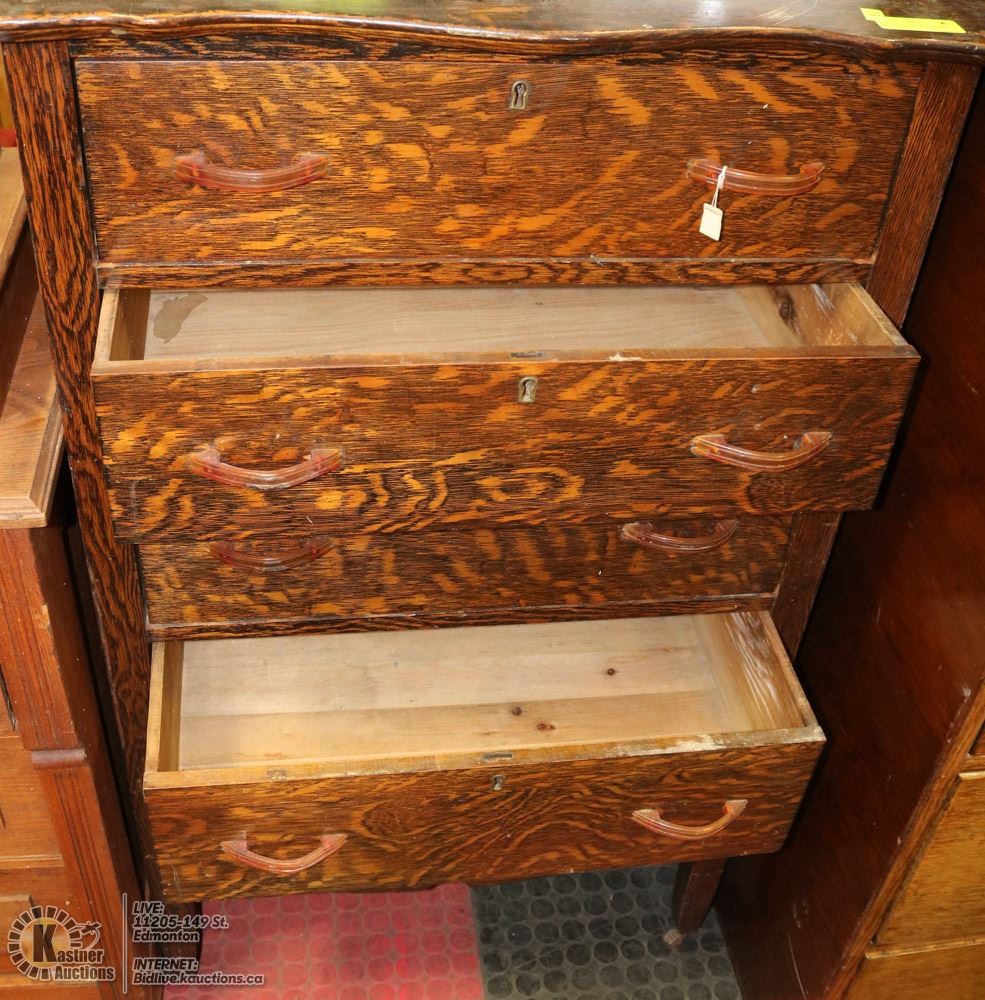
(643, 533)
(258, 562)
(749, 182)
(717, 448)
(238, 851)
(207, 463)
(194, 168)
(653, 821)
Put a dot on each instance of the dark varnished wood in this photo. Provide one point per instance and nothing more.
(421, 828)
(694, 891)
(811, 538)
(486, 458)
(904, 604)
(942, 105)
(55, 187)
(234, 628)
(601, 272)
(516, 24)
(374, 580)
(428, 162)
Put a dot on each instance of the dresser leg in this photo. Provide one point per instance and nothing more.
(694, 890)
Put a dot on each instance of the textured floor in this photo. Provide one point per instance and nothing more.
(572, 937)
(595, 937)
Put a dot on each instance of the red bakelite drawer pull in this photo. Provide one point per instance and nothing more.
(207, 463)
(270, 562)
(653, 821)
(716, 447)
(238, 851)
(194, 168)
(643, 533)
(749, 182)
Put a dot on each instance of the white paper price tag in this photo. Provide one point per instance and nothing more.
(711, 222)
(711, 215)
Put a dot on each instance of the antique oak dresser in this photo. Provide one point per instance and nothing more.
(462, 400)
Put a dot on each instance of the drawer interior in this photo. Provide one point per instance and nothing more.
(210, 328)
(433, 699)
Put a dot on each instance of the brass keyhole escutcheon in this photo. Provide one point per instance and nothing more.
(519, 95)
(498, 782)
(526, 391)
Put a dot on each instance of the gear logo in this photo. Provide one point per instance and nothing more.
(47, 944)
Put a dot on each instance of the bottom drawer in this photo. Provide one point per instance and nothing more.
(533, 572)
(409, 758)
(952, 973)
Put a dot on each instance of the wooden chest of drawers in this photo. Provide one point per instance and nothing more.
(259, 455)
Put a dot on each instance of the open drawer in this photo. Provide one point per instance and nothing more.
(409, 758)
(234, 415)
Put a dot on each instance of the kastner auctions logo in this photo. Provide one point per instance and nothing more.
(47, 944)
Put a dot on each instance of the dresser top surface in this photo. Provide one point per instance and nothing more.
(907, 24)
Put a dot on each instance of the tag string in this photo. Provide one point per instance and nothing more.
(718, 187)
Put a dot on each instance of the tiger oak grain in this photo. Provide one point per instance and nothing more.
(428, 162)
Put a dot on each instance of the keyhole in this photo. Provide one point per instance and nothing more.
(527, 389)
(498, 782)
(519, 93)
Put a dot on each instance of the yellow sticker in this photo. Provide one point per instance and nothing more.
(911, 23)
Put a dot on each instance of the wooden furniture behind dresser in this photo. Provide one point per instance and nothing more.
(881, 891)
(63, 846)
(282, 419)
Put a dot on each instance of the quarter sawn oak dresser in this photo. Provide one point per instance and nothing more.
(402, 582)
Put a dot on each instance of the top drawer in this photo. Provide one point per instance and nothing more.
(195, 161)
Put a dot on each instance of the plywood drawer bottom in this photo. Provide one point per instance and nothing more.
(477, 754)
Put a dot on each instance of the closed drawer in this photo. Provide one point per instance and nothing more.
(434, 577)
(231, 415)
(197, 161)
(27, 830)
(943, 898)
(956, 972)
(410, 758)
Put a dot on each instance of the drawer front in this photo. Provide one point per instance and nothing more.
(943, 898)
(27, 830)
(429, 159)
(479, 825)
(433, 445)
(957, 973)
(364, 580)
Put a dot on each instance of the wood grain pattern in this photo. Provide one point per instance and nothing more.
(428, 162)
(811, 538)
(979, 748)
(601, 272)
(916, 975)
(27, 833)
(408, 701)
(44, 105)
(694, 892)
(516, 26)
(371, 579)
(90, 829)
(425, 792)
(904, 711)
(608, 438)
(423, 828)
(942, 104)
(942, 900)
